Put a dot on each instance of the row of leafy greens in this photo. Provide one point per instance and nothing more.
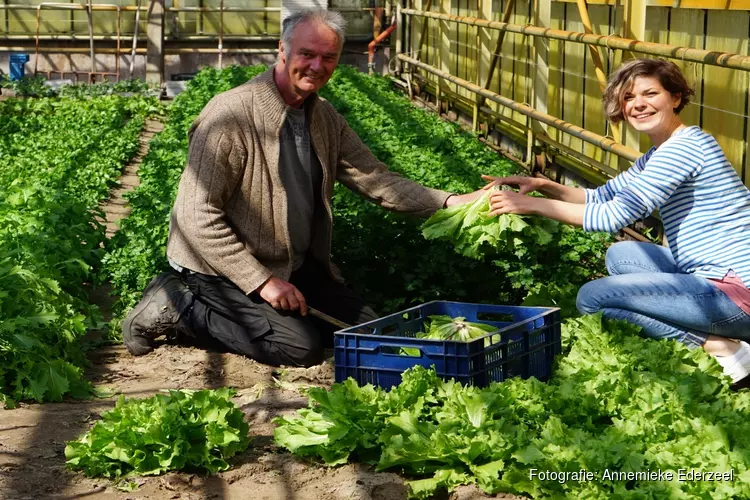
(617, 402)
(58, 159)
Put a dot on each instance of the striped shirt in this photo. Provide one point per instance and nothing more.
(703, 204)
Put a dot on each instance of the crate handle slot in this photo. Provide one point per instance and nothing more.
(401, 351)
(495, 316)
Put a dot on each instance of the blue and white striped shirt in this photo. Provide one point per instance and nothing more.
(704, 206)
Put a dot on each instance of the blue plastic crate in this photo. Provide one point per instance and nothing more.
(373, 352)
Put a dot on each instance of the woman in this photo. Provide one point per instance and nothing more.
(694, 291)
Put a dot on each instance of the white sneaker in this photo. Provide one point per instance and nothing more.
(737, 365)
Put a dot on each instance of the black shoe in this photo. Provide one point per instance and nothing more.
(158, 313)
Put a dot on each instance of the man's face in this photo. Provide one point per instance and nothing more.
(312, 58)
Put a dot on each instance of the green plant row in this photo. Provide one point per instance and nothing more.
(621, 416)
(58, 159)
(184, 430)
(36, 86)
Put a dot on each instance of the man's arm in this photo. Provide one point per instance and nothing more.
(364, 174)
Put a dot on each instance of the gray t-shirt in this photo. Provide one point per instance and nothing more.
(302, 176)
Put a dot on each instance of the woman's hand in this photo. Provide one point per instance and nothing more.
(510, 202)
(524, 184)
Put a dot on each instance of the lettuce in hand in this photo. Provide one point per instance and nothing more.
(476, 234)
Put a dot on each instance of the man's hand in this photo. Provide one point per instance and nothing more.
(283, 295)
(524, 184)
(457, 199)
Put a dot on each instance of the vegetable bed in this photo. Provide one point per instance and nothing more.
(58, 160)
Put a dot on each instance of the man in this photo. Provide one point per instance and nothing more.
(250, 233)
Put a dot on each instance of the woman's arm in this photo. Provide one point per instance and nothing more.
(547, 187)
(509, 202)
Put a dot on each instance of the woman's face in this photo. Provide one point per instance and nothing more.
(649, 107)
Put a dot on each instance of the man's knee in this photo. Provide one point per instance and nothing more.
(303, 355)
(302, 348)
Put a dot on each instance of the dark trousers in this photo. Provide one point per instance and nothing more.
(248, 325)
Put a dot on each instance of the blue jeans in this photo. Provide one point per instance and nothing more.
(646, 288)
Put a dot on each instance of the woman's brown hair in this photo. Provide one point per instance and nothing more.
(621, 82)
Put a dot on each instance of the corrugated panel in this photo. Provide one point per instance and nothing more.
(593, 118)
(290, 6)
(505, 69)
(357, 23)
(573, 77)
(725, 90)
(497, 15)
(104, 22)
(686, 30)
(459, 47)
(521, 55)
(242, 23)
(446, 55)
(22, 22)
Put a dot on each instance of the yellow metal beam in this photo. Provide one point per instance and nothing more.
(713, 58)
(574, 130)
(682, 4)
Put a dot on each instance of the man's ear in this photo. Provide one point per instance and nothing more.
(282, 54)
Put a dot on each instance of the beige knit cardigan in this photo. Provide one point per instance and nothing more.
(230, 215)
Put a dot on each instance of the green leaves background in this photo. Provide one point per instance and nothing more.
(616, 402)
(58, 159)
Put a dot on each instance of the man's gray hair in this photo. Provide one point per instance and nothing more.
(330, 18)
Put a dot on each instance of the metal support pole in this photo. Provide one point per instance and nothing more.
(221, 33)
(155, 47)
(135, 38)
(90, 16)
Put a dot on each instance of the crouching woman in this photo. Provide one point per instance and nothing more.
(695, 291)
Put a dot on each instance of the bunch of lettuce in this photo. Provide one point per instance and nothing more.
(444, 327)
(185, 430)
(474, 233)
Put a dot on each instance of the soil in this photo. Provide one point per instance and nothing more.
(33, 436)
